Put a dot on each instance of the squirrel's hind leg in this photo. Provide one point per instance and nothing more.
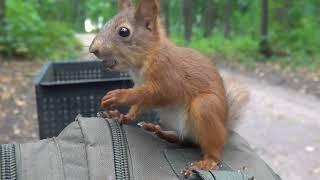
(169, 136)
(207, 118)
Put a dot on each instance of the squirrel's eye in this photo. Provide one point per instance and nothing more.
(124, 32)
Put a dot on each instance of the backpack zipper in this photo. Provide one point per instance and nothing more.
(8, 165)
(120, 150)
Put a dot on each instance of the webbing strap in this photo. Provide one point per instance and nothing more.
(8, 166)
(220, 175)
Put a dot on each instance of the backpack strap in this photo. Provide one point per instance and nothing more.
(178, 158)
(221, 175)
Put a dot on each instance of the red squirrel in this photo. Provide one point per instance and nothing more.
(193, 101)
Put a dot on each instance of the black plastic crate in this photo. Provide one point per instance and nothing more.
(65, 89)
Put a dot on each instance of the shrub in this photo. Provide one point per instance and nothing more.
(242, 48)
(26, 34)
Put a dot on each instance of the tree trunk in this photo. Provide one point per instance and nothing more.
(208, 19)
(2, 13)
(227, 14)
(187, 15)
(2, 24)
(281, 14)
(264, 39)
(79, 15)
(165, 7)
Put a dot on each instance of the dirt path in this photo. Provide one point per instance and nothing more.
(284, 128)
(18, 118)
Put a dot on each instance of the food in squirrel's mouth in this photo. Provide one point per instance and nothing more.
(109, 63)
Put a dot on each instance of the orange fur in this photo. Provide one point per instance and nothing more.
(170, 75)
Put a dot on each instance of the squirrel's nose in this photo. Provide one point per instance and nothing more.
(95, 52)
(94, 49)
(95, 46)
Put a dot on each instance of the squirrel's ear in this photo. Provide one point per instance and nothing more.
(124, 4)
(147, 13)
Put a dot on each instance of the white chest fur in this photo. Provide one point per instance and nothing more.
(137, 76)
(175, 118)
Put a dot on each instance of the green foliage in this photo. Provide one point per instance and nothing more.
(27, 34)
(70, 12)
(294, 32)
(294, 27)
(100, 11)
(302, 38)
(244, 48)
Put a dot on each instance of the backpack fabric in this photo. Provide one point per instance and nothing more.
(102, 149)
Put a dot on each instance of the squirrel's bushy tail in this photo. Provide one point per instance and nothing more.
(237, 99)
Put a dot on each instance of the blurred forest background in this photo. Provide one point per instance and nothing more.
(286, 32)
(273, 41)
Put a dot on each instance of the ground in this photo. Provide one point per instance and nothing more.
(282, 125)
(281, 121)
(18, 118)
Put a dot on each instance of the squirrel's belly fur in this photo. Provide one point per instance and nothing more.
(174, 118)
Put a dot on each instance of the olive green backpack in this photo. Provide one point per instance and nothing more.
(102, 149)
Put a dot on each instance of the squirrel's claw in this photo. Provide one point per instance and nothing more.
(206, 164)
(125, 119)
(112, 114)
(116, 115)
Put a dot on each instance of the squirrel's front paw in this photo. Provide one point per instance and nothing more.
(114, 99)
(111, 114)
(125, 119)
(116, 115)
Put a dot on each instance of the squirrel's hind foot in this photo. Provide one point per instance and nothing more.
(205, 164)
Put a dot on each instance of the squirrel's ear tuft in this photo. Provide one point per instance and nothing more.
(124, 4)
(147, 13)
